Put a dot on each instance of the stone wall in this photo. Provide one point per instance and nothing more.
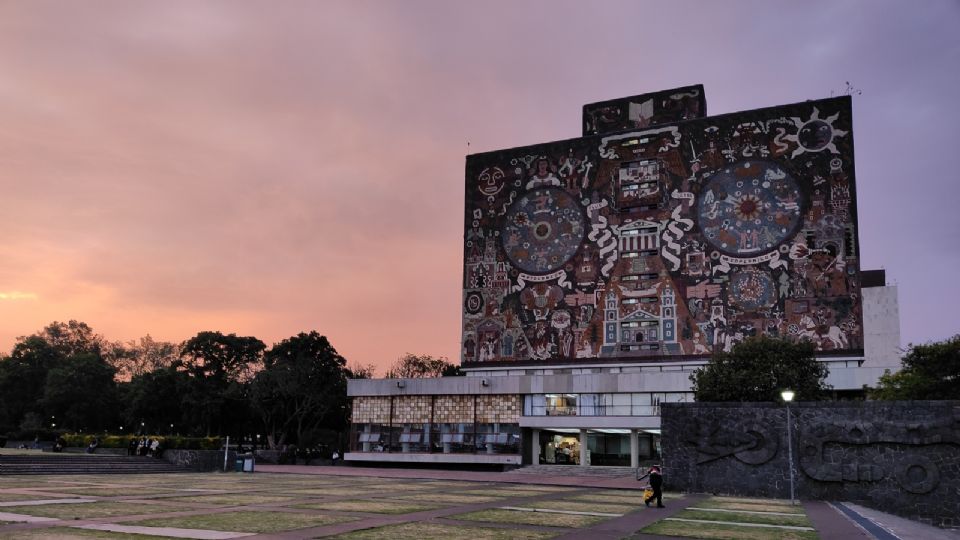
(897, 457)
(199, 460)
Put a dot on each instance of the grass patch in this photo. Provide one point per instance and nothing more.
(232, 499)
(448, 483)
(540, 489)
(749, 500)
(254, 522)
(397, 487)
(496, 515)
(93, 510)
(64, 533)
(752, 507)
(602, 500)
(501, 492)
(577, 506)
(724, 532)
(738, 517)
(419, 531)
(447, 498)
(376, 506)
(131, 491)
(10, 497)
(336, 491)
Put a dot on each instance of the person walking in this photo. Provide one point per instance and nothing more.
(656, 484)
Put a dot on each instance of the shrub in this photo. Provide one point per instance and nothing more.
(166, 442)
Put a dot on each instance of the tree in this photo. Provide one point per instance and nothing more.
(155, 398)
(81, 393)
(758, 369)
(71, 338)
(411, 366)
(930, 371)
(137, 357)
(23, 377)
(303, 386)
(217, 366)
(214, 355)
(359, 371)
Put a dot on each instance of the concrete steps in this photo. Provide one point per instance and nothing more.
(83, 464)
(576, 470)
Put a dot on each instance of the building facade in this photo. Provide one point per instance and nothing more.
(600, 271)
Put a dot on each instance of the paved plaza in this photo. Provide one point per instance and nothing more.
(288, 502)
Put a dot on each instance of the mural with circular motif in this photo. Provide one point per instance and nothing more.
(750, 207)
(542, 230)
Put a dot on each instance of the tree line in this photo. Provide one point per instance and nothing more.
(68, 378)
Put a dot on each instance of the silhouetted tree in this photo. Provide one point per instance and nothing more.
(136, 357)
(218, 366)
(930, 371)
(23, 377)
(412, 366)
(303, 386)
(81, 392)
(71, 338)
(758, 368)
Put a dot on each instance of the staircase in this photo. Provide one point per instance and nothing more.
(83, 464)
(576, 470)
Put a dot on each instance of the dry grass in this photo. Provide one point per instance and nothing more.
(578, 506)
(715, 502)
(551, 519)
(738, 517)
(93, 510)
(420, 531)
(130, 491)
(447, 498)
(501, 492)
(232, 499)
(375, 506)
(255, 522)
(10, 497)
(63, 533)
(725, 532)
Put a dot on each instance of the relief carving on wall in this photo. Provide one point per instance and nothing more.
(826, 450)
(750, 442)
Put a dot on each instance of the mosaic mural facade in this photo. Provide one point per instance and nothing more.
(668, 241)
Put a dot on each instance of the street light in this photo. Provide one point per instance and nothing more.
(787, 396)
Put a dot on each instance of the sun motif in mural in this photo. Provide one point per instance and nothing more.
(749, 207)
(815, 134)
(542, 230)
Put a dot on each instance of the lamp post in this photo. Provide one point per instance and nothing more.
(787, 396)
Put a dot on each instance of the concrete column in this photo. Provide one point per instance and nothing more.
(584, 451)
(535, 447)
(634, 449)
(365, 447)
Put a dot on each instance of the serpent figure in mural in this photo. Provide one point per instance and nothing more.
(914, 472)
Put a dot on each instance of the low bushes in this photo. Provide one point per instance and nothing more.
(167, 442)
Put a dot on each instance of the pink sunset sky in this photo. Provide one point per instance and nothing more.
(265, 168)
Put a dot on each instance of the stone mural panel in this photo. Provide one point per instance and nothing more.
(898, 457)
